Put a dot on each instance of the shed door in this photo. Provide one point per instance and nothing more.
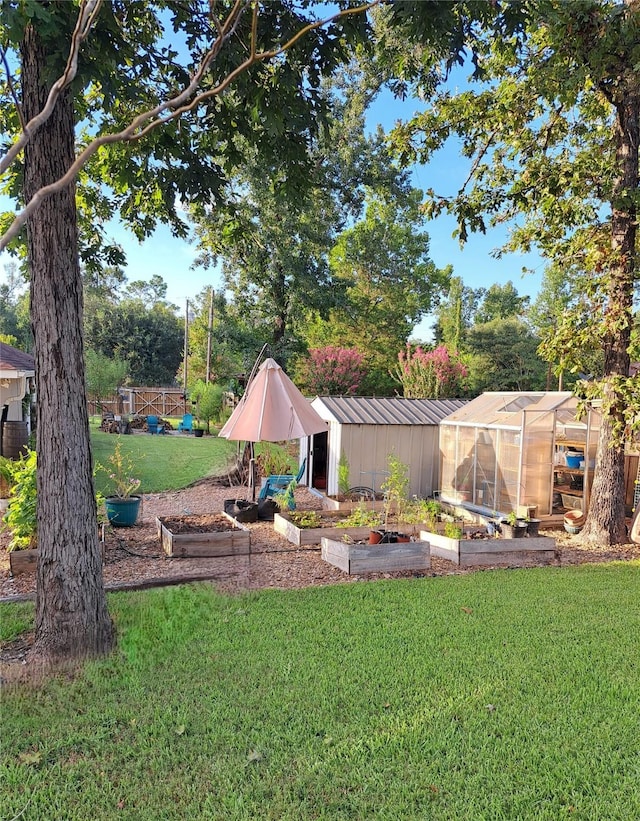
(319, 460)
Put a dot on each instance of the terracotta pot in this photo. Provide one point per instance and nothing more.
(574, 521)
(375, 537)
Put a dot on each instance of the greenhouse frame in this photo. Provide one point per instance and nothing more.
(507, 451)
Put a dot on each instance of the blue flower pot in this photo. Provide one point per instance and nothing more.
(122, 512)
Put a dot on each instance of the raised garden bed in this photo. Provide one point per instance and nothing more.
(23, 561)
(203, 536)
(283, 524)
(379, 558)
(475, 552)
(347, 505)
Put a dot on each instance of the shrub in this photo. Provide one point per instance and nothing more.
(333, 371)
(21, 514)
(430, 374)
(361, 517)
(343, 475)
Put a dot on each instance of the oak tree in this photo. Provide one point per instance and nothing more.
(552, 138)
(102, 88)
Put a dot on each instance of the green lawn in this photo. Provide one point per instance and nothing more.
(165, 462)
(497, 695)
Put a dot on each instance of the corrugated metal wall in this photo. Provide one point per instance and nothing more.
(367, 447)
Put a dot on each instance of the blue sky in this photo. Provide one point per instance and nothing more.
(173, 259)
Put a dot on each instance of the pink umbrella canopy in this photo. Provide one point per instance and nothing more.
(272, 410)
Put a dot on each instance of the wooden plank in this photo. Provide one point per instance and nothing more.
(488, 551)
(301, 536)
(364, 558)
(530, 544)
(347, 507)
(518, 558)
(213, 544)
(333, 553)
(417, 557)
(229, 548)
(23, 561)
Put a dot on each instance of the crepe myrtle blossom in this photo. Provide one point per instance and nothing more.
(333, 371)
(434, 374)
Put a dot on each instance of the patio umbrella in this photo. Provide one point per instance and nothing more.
(272, 410)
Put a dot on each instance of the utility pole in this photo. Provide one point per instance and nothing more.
(186, 351)
(209, 331)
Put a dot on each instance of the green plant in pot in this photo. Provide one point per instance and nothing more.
(512, 527)
(121, 501)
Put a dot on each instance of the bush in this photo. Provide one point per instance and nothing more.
(21, 515)
(333, 371)
(432, 374)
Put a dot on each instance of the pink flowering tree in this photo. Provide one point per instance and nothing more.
(333, 371)
(434, 374)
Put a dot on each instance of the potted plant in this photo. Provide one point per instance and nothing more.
(121, 502)
(512, 527)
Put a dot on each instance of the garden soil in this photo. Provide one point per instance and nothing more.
(133, 557)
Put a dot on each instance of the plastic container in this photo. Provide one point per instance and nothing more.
(574, 459)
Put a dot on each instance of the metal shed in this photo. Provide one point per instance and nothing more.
(367, 430)
(506, 450)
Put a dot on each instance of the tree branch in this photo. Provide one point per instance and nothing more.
(87, 14)
(12, 90)
(149, 120)
(478, 159)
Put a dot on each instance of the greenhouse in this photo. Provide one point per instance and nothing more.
(507, 451)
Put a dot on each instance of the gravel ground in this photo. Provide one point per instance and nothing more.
(133, 557)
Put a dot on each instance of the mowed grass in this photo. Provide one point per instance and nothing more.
(164, 462)
(498, 695)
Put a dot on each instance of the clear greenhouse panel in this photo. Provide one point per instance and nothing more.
(499, 452)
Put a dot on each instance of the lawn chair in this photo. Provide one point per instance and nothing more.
(187, 423)
(277, 483)
(154, 425)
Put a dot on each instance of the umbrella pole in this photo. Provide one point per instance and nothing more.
(252, 472)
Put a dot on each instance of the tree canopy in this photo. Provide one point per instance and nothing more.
(552, 139)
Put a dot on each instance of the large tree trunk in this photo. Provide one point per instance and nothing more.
(606, 520)
(72, 620)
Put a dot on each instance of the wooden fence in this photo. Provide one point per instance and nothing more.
(142, 402)
(145, 401)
